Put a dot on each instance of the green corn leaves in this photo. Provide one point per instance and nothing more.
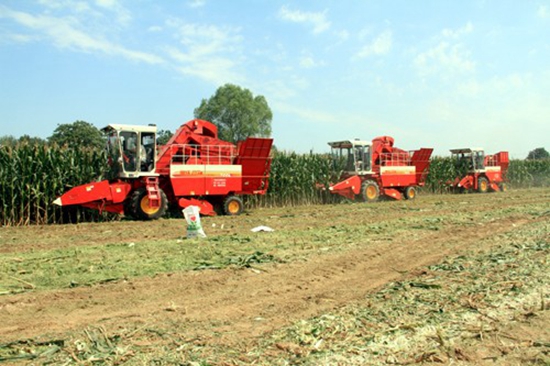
(32, 177)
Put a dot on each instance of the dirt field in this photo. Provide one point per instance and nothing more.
(454, 279)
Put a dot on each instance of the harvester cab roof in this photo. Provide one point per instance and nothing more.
(466, 150)
(346, 144)
(135, 128)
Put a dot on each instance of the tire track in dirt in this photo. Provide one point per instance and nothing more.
(240, 305)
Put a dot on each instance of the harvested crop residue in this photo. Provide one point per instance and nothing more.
(444, 278)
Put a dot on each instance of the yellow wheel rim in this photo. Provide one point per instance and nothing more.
(233, 207)
(371, 192)
(412, 193)
(146, 206)
(483, 186)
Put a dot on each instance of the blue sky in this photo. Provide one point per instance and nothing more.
(430, 73)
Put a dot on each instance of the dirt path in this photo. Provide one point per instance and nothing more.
(239, 305)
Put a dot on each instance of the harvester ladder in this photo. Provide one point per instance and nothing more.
(153, 193)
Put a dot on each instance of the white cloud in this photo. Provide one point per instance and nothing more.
(543, 12)
(110, 4)
(64, 33)
(381, 45)
(307, 114)
(445, 58)
(457, 33)
(214, 70)
(154, 28)
(196, 3)
(342, 35)
(449, 57)
(205, 40)
(207, 51)
(74, 6)
(86, 8)
(122, 14)
(17, 38)
(308, 62)
(317, 20)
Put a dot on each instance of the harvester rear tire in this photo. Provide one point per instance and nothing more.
(141, 209)
(233, 206)
(370, 191)
(503, 187)
(482, 185)
(410, 193)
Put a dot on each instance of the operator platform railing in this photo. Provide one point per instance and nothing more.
(192, 154)
(395, 159)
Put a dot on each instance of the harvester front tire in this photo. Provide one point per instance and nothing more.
(129, 209)
(233, 206)
(141, 208)
(370, 191)
(482, 185)
(410, 193)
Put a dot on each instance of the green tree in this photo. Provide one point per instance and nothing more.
(538, 154)
(78, 134)
(237, 113)
(32, 140)
(163, 136)
(8, 140)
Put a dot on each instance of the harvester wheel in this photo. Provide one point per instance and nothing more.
(482, 185)
(410, 193)
(370, 191)
(141, 208)
(503, 187)
(129, 209)
(233, 206)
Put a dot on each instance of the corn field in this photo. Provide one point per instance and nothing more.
(529, 173)
(300, 178)
(31, 177)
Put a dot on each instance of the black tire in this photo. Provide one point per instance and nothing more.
(140, 205)
(482, 185)
(233, 206)
(370, 191)
(128, 208)
(410, 193)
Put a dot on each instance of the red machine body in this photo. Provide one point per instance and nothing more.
(193, 168)
(479, 172)
(377, 168)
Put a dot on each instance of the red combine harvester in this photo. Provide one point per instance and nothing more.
(377, 168)
(193, 168)
(479, 172)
